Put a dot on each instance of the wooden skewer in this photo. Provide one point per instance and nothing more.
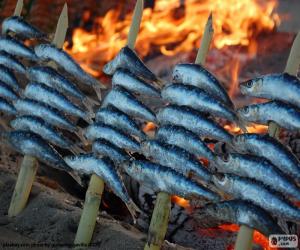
(18, 8)
(135, 24)
(161, 212)
(245, 233)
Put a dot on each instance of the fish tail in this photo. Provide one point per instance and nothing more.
(89, 103)
(241, 124)
(80, 135)
(98, 91)
(133, 210)
(76, 150)
(89, 117)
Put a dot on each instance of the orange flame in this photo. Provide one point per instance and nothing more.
(180, 201)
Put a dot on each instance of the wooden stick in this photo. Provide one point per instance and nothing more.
(159, 222)
(18, 8)
(61, 28)
(90, 211)
(23, 185)
(206, 41)
(244, 239)
(135, 23)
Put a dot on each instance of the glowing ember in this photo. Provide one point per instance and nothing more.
(180, 201)
(255, 128)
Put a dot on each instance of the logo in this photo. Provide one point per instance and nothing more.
(283, 240)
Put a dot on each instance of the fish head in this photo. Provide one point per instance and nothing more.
(223, 162)
(111, 67)
(223, 182)
(177, 74)
(247, 113)
(145, 148)
(251, 86)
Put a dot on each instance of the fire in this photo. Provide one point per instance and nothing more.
(180, 201)
(173, 28)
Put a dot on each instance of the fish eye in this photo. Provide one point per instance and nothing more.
(225, 157)
(249, 84)
(246, 109)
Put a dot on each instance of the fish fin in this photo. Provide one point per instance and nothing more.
(133, 209)
(98, 91)
(80, 135)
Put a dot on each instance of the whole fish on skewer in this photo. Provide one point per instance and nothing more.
(283, 87)
(175, 158)
(7, 92)
(101, 131)
(259, 169)
(45, 130)
(9, 78)
(183, 138)
(285, 115)
(128, 59)
(6, 107)
(52, 78)
(237, 212)
(132, 83)
(126, 102)
(197, 75)
(11, 62)
(196, 98)
(19, 26)
(194, 121)
(105, 148)
(49, 52)
(256, 192)
(116, 118)
(271, 149)
(105, 169)
(164, 179)
(28, 143)
(43, 93)
(16, 48)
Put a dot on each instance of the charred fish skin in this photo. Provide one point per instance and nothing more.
(101, 131)
(128, 59)
(267, 86)
(105, 169)
(19, 26)
(176, 158)
(116, 118)
(259, 169)
(29, 143)
(106, 148)
(194, 121)
(242, 213)
(126, 102)
(39, 126)
(8, 77)
(273, 151)
(6, 107)
(51, 115)
(129, 81)
(197, 75)
(283, 114)
(183, 138)
(161, 178)
(7, 92)
(43, 93)
(46, 52)
(16, 48)
(196, 98)
(246, 189)
(11, 62)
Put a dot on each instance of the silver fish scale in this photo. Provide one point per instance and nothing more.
(11, 62)
(259, 169)
(183, 138)
(114, 117)
(160, 178)
(39, 126)
(193, 121)
(247, 189)
(175, 158)
(239, 212)
(8, 77)
(19, 26)
(197, 75)
(267, 87)
(16, 48)
(194, 97)
(50, 96)
(126, 102)
(31, 144)
(44, 111)
(6, 107)
(53, 79)
(113, 135)
(7, 92)
(129, 81)
(285, 115)
(273, 150)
